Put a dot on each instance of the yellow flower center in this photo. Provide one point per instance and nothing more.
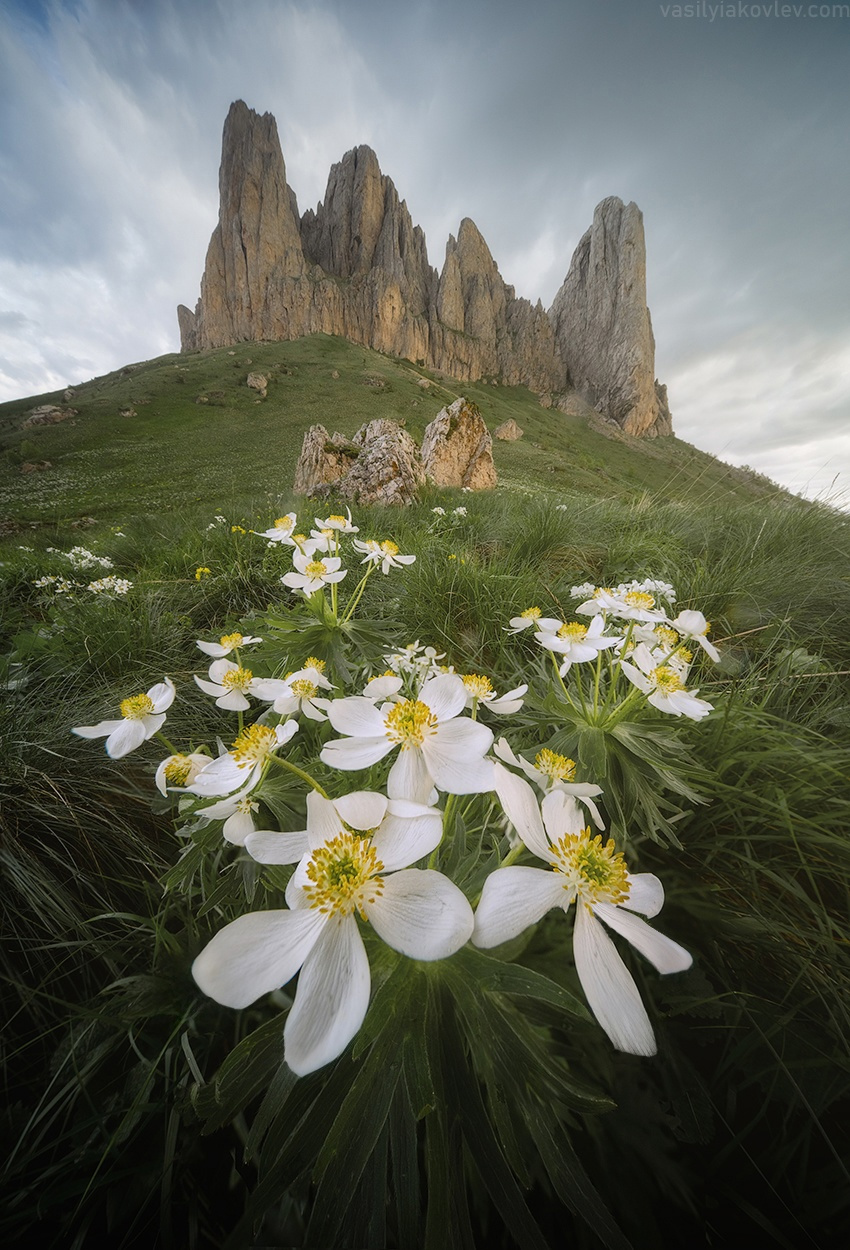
(246, 806)
(326, 533)
(343, 875)
(530, 614)
(572, 630)
(285, 522)
(299, 538)
(389, 548)
(477, 685)
(409, 721)
(597, 873)
(666, 636)
(231, 640)
(639, 599)
(254, 744)
(237, 679)
(177, 769)
(337, 520)
(684, 654)
(315, 568)
(666, 680)
(137, 707)
(556, 767)
(303, 689)
(312, 662)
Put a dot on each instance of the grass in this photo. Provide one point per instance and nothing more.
(121, 1127)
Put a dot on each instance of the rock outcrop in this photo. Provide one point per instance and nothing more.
(380, 465)
(508, 431)
(457, 449)
(602, 325)
(358, 267)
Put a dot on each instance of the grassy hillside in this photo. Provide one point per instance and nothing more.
(197, 433)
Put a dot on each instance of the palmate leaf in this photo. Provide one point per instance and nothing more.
(245, 1072)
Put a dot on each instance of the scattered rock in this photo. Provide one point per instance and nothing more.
(335, 374)
(375, 382)
(47, 414)
(31, 466)
(68, 396)
(323, 460)
(258, 382)
(202, 399)
(424, 383)
(457, 449)
(508, 431)
(128, 412)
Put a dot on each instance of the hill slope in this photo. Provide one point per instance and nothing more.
(197, 433)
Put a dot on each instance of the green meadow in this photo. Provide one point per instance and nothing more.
(140, 1114)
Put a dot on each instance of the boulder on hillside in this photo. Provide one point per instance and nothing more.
(47, 414)
(258, 382)
(457, 449)
(508, 431)
(323, 460)
(389, 468)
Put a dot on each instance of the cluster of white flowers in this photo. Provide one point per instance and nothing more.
(110, 586)
(358, 853)
(58, 585)
(81, 559)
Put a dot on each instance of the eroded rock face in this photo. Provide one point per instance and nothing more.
(324, 459)
(602, 324)
(358, 267)
(380, 465)
(47, 414)
(457, 449)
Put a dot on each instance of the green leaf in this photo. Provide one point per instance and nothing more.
(245, 1071)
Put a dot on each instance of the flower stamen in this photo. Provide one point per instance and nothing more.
(137, 707)
(409, 721)
(596, 873)
(343, 875)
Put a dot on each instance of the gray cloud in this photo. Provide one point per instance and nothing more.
(728, 135)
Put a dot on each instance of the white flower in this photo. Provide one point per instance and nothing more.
(383, 553)
(344, 872)
(439, 511)
(226, 644)
(143, 715)
(664, 686)
(586, 591)
(576, 643)
(236, 812)
(551, 771)
(178, 771)
(243, 764)
(340, 523)
(299, 692)
(458, 511)
(692, 624)
(313, 574)
(480, 693)
(229, 684)
(110, 585)
(595, 877)
(532, 618)
(438, 746)
(631, 605)
(281, 531)
(386, 686)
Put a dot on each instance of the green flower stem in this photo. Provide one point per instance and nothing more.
(299, 772)
(241, 721)
(506, 861)
(567, 695)
(171, 747)
(358, 593)
(596, 678)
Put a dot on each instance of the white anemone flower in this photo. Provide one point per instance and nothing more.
(551, 771)
(312, 574)
(230, 683)
(593, 876)
(226, 644)
(577, 643)
(692, 624)
(480, 694)
(299, 693)
(237, 813)
(385, 687)
(281, 531)
(340, 523)
(630, 605)
(344, 872)
(384, 553)
(143, 715)
(532, 618)
(178, 771)
(663, 685)
(439, 747)
(243, 764)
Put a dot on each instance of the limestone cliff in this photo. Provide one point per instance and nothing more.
(358, 267)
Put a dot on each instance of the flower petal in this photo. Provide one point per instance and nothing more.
(268, 847)
(356, 715)
(662, 952)
(162, 695)
(331, 1000)
(646, 893)
(255, 954)
(402, 840)
(520, 805)
(444, 695)
(608, 986)
(421, 913)
(129, 735)
(362, 809)
(513, 899)
(237, 827)
(353, 753)
(323, 820)
(409, 777)
(98, 731)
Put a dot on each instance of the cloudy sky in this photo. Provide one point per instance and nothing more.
(726, 122)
